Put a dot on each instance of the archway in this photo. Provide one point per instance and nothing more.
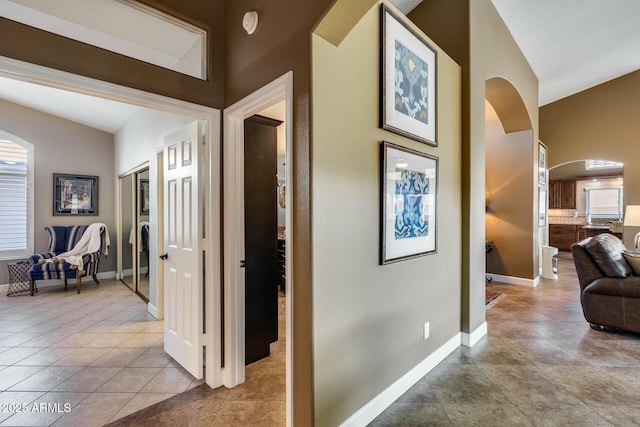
(511, 187)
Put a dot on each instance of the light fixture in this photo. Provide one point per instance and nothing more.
(632, 219)
(250, 21)
(401, 163)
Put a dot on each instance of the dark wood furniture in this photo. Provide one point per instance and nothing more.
(562, 195)
(562, 236)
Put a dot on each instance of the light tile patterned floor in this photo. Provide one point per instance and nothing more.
(85, 360)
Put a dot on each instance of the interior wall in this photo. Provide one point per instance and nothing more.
(494, 53)
(368, 318)
(136, 143)
(475, 35)
(40, 47)
(281, 43)
(601, 123)
(62, 146)
(508, 219)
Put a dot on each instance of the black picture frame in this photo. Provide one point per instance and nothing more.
(75, 194)
(408, 69)
(408, 203)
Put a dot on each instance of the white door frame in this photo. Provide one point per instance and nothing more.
(32, 73)
(277, 91)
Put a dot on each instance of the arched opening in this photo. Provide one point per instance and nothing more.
(511, 187)
(585, 199)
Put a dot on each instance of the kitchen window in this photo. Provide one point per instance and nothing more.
(604, 202)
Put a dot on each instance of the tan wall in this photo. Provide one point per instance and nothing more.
(478, 39)
(495, 54)
(368, 318)
(507, 220)
(601, 122)
(62, 146)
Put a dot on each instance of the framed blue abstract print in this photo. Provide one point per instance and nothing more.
(409, 184)
(408, 91)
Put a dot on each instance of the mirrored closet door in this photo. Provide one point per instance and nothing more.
(133, 255)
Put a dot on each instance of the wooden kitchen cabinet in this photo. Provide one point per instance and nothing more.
(562, 195)
(562, 236)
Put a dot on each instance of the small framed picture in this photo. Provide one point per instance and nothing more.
(144, 197)
(408, 218)
(408, 62)
(542, 207)
(75, 194)
(542, 164)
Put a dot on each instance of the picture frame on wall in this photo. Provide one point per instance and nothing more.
(144, 197)
(542, 207)
(409, 81)
(542, 164)
(409, 198)
(75, 194)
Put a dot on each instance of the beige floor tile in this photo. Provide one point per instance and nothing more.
(96, 410)
(129, 380)
(111, 339)
(17, 338)
(143, 339)
(118, 357)
(46, 409)
(12, 375)
(81, 356)
(169, 380)
(79, 339)
(46, 379)
(46, 357)
(16, 354)
(12, 400)
(88, 379)
(152, 358)
(141, 401)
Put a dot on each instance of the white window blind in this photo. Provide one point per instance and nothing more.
(15, 225)
(604, 202)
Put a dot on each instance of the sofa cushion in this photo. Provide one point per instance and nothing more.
(633, 259)
(606, 251)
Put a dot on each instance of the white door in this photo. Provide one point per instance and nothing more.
(183, 334)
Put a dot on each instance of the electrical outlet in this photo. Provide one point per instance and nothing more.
(426, 330)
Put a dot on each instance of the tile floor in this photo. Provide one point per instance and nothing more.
(258, 402)
(540, 365)
(82, 360)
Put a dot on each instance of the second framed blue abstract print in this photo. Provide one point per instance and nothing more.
(409, 184)
(408, 81)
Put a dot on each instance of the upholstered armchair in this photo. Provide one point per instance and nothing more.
(72, 253)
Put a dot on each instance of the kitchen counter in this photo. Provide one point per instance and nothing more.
(596, 227)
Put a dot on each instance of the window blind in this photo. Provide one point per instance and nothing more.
(14, 200)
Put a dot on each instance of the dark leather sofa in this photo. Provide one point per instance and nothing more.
(610, 292)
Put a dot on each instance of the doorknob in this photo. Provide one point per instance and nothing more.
(243, 264)
(164, 257)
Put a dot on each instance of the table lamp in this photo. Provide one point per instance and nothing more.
(632, 219)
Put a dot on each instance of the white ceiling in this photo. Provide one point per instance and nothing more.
(570, 44)
(573, 45)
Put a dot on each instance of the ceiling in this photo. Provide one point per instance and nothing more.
(571, 45)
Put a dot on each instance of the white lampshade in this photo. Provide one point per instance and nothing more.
(632, 216)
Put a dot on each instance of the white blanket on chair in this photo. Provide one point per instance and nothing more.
(88, 243)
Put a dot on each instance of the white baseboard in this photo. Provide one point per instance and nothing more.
(510, 280)
(153, 310)
(469, 340)
(56, 282)
(378, 404)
